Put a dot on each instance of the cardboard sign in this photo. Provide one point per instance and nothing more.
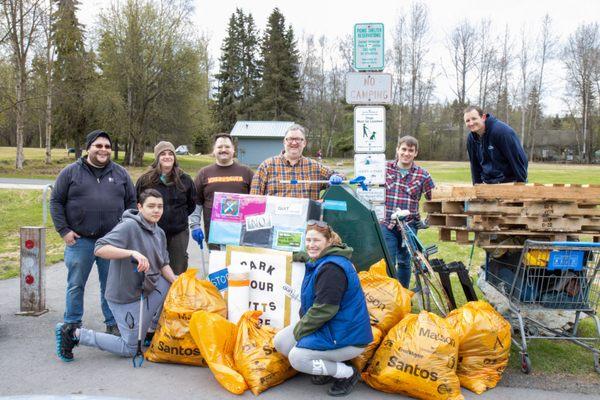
(266, 271)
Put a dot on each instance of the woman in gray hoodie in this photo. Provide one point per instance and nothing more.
(137, 239)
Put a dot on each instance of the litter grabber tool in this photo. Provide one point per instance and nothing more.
(359, 180)
(138, 358)
(429, 287)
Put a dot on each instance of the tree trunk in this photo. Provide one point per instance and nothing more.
(20, 117)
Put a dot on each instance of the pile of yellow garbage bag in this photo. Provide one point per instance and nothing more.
(421, 355)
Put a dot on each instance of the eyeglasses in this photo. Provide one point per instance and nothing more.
(294, 139)
(100, 146)
(320, 224)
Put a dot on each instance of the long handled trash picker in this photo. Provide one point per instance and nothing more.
(359, 180)
(138, 358)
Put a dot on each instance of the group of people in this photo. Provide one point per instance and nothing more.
(138, 237)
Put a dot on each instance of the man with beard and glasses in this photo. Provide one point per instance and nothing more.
(225, 175)
(88, 200)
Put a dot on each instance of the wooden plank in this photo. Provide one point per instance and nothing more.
(517, 191)
(447, 220)
(460, 235)
(531, 208)
(543, 223)
(432, 206)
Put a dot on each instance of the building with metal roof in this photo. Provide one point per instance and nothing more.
(259, 140)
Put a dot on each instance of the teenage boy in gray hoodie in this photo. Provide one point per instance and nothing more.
(137, 237)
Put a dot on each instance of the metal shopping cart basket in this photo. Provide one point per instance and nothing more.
(551, 275)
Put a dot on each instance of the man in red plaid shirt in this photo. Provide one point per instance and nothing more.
(405, 183)
(290, 166)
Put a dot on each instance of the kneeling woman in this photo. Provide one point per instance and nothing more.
(335, 322)
(137, 237)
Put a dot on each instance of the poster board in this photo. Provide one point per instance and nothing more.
(265, 272)
(272, 222)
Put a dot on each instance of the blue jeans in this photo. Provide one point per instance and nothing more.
(399, 253)
(79, 259)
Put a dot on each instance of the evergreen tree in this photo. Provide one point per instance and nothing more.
(238, 75)
(279, 94)
(228, 82)
(72, 74)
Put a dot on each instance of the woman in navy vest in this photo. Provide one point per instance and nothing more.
(334, 325)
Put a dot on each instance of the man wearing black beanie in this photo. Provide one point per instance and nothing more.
(88, 199)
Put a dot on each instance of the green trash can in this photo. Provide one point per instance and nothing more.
(358, 227)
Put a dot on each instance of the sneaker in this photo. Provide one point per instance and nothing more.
(148, 339)
(321, 379)
(65, 340)
(343, 387)
(113, 330)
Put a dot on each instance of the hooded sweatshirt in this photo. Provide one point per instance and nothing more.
(124, 283)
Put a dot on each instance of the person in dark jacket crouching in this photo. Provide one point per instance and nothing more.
(179, 196)
(334, 325)
(137, 237)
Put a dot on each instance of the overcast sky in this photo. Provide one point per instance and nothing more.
(336, 18)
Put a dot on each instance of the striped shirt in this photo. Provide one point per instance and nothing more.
(404, 192)
(268, 177)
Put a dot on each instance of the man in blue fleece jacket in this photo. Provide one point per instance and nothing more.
(495, 151)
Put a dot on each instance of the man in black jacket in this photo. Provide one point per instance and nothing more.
(88, 199)
(495, 151)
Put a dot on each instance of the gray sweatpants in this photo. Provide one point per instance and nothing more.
(127, 318)
(312, 362)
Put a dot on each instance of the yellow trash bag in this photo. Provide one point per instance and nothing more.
(537, 258)
(484, 345)
(216, 337)
(255, 356)
(172, 341)
(418, 358)
(387, 300)
(362, 361)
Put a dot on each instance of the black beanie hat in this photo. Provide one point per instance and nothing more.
(92, 136)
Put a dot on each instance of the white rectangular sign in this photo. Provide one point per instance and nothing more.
(369, 49)
(373, 194)
(368, 88)
(369, 129)
(371, 166)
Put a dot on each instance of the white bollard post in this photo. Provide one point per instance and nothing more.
(33, 261)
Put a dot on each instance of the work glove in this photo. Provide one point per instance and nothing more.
(335, 180)
(198, 236)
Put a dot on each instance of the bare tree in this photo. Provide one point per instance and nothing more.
(49, 61)
(503, 72)
(545, 51)
(580, 56)
(464, 53)
(524, 70)
(399, 67)
(21, 22)
(417, 49)
(487, 56)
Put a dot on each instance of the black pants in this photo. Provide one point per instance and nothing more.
(177, 245)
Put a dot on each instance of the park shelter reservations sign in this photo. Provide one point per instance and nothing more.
(368, 47)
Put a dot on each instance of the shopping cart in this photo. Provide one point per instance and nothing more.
(550, 276)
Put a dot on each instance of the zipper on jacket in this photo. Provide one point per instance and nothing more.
(98, 179)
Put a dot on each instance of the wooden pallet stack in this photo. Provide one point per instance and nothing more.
(502, 216)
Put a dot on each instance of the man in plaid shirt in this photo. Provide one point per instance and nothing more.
(405, 183)
(292, 165)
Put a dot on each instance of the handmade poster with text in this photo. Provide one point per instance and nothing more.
(260, 275)
(259, 221)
